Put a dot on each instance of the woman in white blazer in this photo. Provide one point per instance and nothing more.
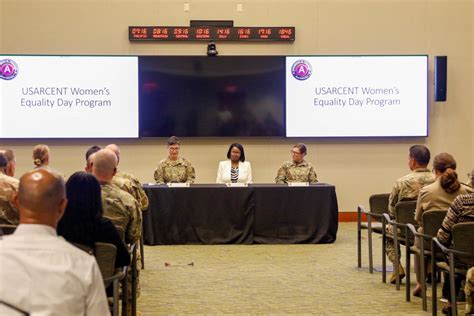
(236, 169)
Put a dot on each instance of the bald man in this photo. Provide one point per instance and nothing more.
(8, 187)
(135, 187)
(119, 206)
(40, 272)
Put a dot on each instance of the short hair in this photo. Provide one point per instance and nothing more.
(92, 150)
(240, 147)
(173, 140)
(83, 210)
(3, 160)
(301, 147)
(104, 163)
(9, 154)
(40, 154)
(421, 154)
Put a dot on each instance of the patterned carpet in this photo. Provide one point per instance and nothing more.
(269, 280)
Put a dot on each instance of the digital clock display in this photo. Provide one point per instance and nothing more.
(207, 33)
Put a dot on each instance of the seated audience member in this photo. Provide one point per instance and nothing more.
(10, 170)
(236, 169)
(83, 223)
(8, 187)
(136, 187)
(407, 188)
(40, 272)
(118, 206)
(469, 291)
(41, 156)
(438, 196)
(460, 211)
(174, 168)
(297, 169)
(89, 156)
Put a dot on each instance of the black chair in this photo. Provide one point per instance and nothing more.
(459, 258)
(404, 214)
(378, 204)
(431, 222)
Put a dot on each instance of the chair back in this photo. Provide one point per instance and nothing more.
(378, 203)
(405, 214)
(431, 221)
(463, 240)
(105, 256)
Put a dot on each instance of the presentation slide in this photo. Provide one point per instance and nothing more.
(68, 97)
(356, 96)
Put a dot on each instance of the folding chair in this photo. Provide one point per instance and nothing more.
(460, 258)
(431, 222)
(378, 204)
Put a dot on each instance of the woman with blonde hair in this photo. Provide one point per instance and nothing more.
(41, 155)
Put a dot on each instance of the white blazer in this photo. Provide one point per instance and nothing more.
(223, 172)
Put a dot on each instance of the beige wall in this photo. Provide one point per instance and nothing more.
(358, 167)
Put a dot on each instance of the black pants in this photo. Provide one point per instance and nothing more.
(447, 288)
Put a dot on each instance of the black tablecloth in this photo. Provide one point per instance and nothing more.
(216, 214)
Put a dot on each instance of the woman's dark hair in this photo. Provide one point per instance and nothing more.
(445, 164)
(83, 210)
(240, 147)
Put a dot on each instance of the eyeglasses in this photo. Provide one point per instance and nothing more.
(295, 152)
(173, 148)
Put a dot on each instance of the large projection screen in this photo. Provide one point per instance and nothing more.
(356, 96)
(68, 97)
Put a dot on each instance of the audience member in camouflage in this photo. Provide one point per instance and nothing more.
(469, 291)
(174, 168)
(139, 194)
(89, 157)
(137, 190)
(407, 188)
(8, 186)
(119, 206)
(11, 166)
(297, 169)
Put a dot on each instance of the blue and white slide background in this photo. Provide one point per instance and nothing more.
(356, 96)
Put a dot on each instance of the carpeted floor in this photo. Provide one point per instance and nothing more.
(270, 279)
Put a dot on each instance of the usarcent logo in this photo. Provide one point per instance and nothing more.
(8, 69)
(301, 69)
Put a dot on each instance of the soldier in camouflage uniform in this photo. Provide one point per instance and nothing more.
(407, 188)
(135, 187)
(296, 170)
(10, 170)
(469, 290)
(174, 168)
(119, 206)
(8, 186)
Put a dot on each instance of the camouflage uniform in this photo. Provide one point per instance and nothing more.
(469, 290)
(139, 194)
(8, 186)
(179, 171)
(406, 188)
(123, 210)
(291, 171)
